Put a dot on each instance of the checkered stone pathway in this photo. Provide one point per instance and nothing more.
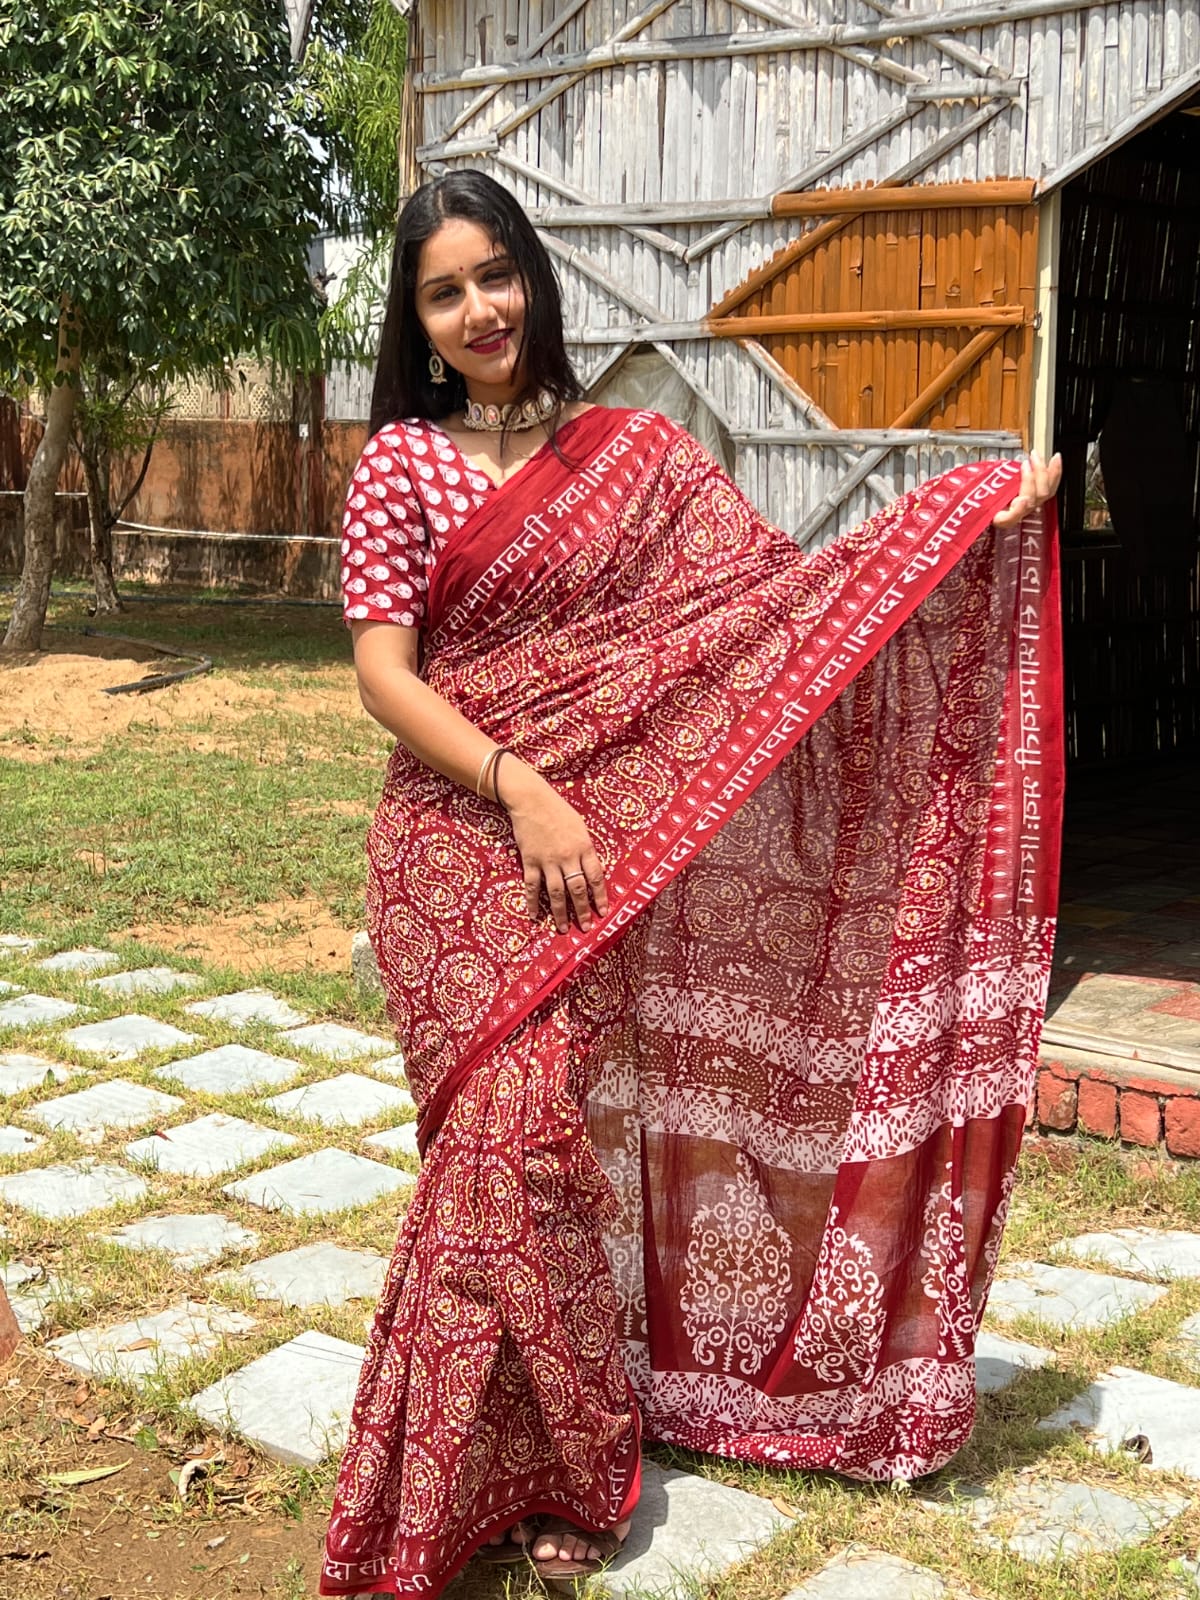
(19, 1072)
(190, 1240)
(92, 1113)
(350, 1099)
(1067, 1297)
(861, 1574)
(208, 1147)
(72, 1190)
(80, 961)
(332, 1040)
(126, 1038)
(145, 980)
(1051, 1519)
(35, 1011)
(147, 1344)
(314, 1275)
(294, 1402)
(229, 1069)
(319, 1184)
(246, 1007)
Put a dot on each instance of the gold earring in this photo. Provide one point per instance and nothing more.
(437, 367)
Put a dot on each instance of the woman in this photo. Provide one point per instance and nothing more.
(710, 887)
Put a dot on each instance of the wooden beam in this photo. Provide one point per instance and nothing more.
(904, 197)
(1000, 317)
(933, 391)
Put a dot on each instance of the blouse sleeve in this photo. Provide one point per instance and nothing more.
(383, 539)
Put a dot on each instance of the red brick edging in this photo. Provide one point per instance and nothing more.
(1080, 1092)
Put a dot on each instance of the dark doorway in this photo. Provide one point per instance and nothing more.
(1127, 420)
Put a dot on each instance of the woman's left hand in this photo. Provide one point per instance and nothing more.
(1039, 483)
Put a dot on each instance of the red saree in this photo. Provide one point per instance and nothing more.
(737, 1161)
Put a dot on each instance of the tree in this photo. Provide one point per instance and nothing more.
(157, 200)
(353, 75)
(113, 420)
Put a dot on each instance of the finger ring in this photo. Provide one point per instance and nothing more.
(567, 876)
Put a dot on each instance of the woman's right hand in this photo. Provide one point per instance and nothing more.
(556, 849)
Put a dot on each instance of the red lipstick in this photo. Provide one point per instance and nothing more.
(489, 343)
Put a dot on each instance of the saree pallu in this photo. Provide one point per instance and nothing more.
(732, 1166)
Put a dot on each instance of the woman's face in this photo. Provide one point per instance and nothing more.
(471, 304)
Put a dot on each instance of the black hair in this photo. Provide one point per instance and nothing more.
(403, 386)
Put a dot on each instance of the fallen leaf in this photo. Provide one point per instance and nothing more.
(137, 1344)
(64, 1480)
(788, 1510)
(95, 1429)
(215, 1544)
(82, 1393)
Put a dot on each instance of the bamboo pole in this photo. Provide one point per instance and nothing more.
(904, 197)
(862, 321)
(973, 351)
(765, 41)
(873, 438)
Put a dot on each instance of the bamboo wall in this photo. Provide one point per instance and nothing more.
(652, 139)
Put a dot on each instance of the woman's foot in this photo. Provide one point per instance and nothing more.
(506, 1545)
(561, 1550)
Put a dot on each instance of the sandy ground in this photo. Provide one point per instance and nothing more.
(59, 692)
(52, 704)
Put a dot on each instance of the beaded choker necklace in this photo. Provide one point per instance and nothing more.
(508, 419)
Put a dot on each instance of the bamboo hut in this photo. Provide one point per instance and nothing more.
(852, 245)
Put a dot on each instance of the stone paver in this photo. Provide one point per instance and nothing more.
(31, 1294)
(19, 1072)
(1000, 1361)
(314, 1275)
(16, 944)
(229, 1069)
(1049, 1519)
(16, 1141)
(1123, 1402)
(861, 1574)
(134, 1349)
(88, 960)
(1150, 1252)
(145, 980)
(9, 988)
(688, 1528)
(32, 1010)
(1068, 1297)
(350, 1098)
(390, 1066)
(325, 1181)
(90, 1113)
(126, 1038)
(72, 1189)
(401, 1140)
(246, 1007)
(208, 1147)
(294, 1402)
(338, 1043)
(190, 1240)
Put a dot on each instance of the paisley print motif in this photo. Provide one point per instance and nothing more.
(732, 1166)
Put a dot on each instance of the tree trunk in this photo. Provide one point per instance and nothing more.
(33, 592)
(100, 540)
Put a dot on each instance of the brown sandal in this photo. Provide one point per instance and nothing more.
(556, 1570)
(509, 1552)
